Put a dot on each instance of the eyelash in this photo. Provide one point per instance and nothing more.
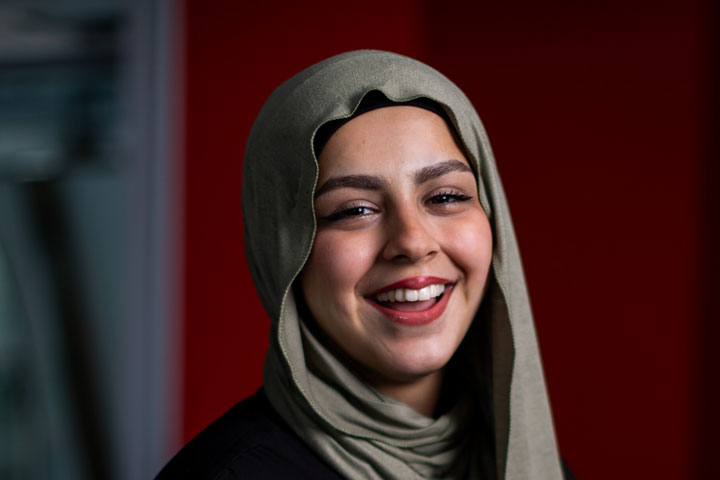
(450, 197)
(351, 212)
(357, 211)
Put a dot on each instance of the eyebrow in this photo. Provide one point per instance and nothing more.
(362, 182)
(439, 169)
(370, 182)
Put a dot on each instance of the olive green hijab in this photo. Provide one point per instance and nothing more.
(358, 431)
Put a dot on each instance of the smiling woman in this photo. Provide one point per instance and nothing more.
(402, 250)
(380, 242)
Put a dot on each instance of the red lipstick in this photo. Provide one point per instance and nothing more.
(422, 317)
(415, 318)
(414, 283)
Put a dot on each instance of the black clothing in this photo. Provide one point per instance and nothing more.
(251, 442)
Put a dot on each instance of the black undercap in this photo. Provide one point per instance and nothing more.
(372, 101)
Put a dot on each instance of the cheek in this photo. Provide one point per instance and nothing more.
(469, 243)
(338, 262)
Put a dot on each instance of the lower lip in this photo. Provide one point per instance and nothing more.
(422, 317)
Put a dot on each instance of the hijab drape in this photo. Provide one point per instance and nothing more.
(360, 432)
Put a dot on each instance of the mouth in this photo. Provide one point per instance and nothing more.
(413, 301)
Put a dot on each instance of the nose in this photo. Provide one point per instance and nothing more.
(408, 238)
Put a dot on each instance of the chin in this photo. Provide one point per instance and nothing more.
(419, 361)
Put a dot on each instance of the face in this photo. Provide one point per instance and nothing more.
(403, 246)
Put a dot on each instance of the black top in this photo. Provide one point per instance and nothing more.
(251, 441)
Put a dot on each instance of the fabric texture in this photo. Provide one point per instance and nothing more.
(358, 431)
(251, 442)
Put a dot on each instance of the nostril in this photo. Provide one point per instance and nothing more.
(409, 249)
(408, 238)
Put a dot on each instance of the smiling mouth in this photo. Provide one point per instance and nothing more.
(409, 308)
(411, 300)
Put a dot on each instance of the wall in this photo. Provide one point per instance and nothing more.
(600, 119)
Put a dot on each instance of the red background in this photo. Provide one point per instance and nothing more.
(601, 118)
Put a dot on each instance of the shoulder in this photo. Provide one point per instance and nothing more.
(249, 441)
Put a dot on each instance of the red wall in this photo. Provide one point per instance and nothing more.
(599, 118)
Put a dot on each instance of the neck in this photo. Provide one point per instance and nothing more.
(422, 394)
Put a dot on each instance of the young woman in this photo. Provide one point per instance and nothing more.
(380, 242)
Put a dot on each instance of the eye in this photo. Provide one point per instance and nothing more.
(448, 197)
(349, 213)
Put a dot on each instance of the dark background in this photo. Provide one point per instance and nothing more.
(602, 116)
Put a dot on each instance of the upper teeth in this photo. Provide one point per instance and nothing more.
(409, 295)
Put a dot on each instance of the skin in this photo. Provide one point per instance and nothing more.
(393, 225)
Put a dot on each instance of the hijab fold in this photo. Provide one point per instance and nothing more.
(357, 430)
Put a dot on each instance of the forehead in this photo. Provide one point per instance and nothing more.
(388, 139)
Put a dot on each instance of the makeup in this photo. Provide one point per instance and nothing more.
(409, 305)
(414, 283)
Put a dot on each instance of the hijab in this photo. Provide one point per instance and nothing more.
(502, 427)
